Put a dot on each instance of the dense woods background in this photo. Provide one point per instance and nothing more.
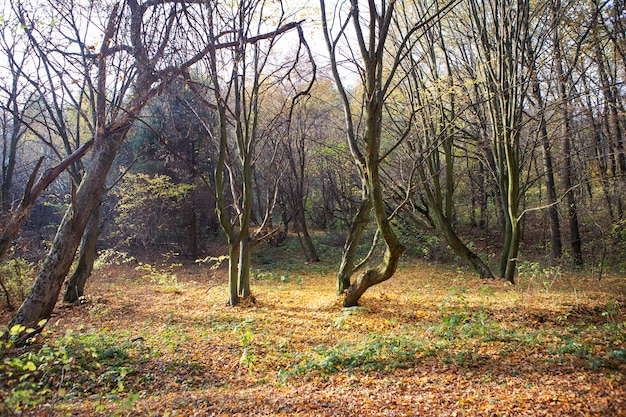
(483, 135)
(500, 131)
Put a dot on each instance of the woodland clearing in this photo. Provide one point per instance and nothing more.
(433, 341)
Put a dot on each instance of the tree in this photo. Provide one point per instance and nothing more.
(431, 96)
(501, 30)
(247, 72)
(562, 77)
(548, 160)
(372, 36)
(143, 47)
(16, 101)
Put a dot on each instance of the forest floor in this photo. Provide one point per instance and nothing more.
(159, 340)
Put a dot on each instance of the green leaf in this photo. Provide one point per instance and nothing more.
(29, 366)
(17, 329)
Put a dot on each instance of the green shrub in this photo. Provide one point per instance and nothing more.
(74, 365)
(374, 353)
(16, 278)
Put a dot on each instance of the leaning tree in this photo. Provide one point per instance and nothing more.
(140, 48)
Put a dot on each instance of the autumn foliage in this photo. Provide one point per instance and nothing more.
(158, 339)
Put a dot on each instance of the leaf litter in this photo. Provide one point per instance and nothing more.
(429, 342)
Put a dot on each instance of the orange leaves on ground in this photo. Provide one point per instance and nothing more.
(429, 342)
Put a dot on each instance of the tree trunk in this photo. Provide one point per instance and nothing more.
(304, 236)
(233, 257)
(43, 295)
(575, 240)
(244, 267)
(457, 245)
(8, 169)
(393, 249)
(75, 286)
(601, 153)
(382, 272)
(33, 190)
(553, 213)
(348, 258)
(613, 128)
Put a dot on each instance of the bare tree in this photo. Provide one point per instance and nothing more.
(17, 99)
(375, 61)
(500, 30)
(143, 47)
(431, 149)
(243, 69)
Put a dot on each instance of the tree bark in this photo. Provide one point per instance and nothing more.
(575, 240)
(303, 235)
(233, 257)
(556, 243)
(75, 286)
(245, 251)
(43, 296)
(355, 232)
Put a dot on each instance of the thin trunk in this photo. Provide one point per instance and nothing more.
(75, 286)
(8, 169)
(233, 256)
(305, 238)
(553, 213)
(610, 97)
(600, 151)
(566, 135)
(193, 227)
(613, 128)
(244, 267)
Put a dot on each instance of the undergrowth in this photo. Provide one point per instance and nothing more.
(425, 318)
(75, 365)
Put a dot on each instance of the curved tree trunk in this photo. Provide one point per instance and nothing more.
(460, 248)
(75, 286)
(348, 258)
(393, 248)
(382, 272)
(371, 37)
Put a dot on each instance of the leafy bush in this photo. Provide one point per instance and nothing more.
(112, 256)
(164, 277)
(16, 278)
(74, 365)
(147, 208)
